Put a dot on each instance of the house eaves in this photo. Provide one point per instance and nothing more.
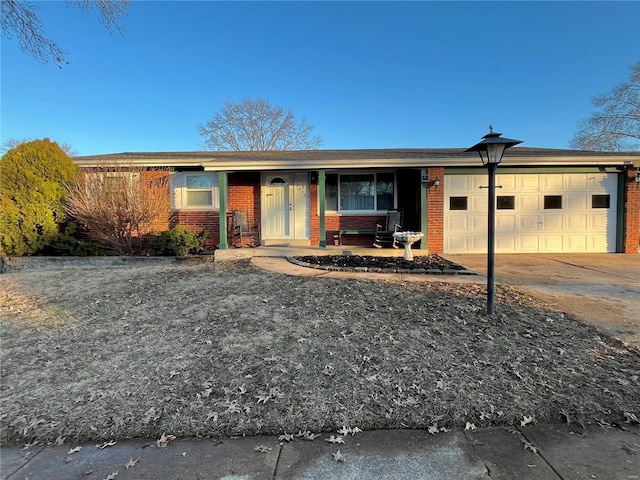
(357, 159)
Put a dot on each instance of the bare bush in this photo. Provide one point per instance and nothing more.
(119, 205)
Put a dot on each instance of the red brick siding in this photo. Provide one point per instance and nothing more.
(198, 221)
(244, 194)
(632, 212)
(435, 211)
(164, 191)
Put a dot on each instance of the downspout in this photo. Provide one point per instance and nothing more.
(222, 193)
(321, 209)
(424, 242)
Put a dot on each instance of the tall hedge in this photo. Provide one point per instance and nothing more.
(33, 185)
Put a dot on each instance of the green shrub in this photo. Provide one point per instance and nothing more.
(178, 241)
(71, 243)
(33, 185)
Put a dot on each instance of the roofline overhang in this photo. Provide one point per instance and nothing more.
(352, 160)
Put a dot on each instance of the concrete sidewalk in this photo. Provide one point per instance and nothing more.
(533, 452)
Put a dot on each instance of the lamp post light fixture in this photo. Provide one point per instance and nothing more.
(491, 149)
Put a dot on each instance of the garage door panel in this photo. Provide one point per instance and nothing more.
(529, 223)
(576, 243)
(580, 222)
(577, 201)
(576, 181)
(552, 243)
(552, 222)
(507, 182)
(529, 202)
(479, 243)
(506, 223)
(529, 182)
(529, 243)
(459, 183)
(505, 243)
(458, 223)
(598, 222)
(577, 222)
(458, 243)
(479, 203)
(552, 181)
(479, 224)
(598, 243)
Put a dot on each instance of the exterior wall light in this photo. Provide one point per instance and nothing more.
(491, 149)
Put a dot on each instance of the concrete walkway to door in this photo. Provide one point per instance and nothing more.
(600, 289)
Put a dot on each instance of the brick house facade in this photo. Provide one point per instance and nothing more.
(601, 188)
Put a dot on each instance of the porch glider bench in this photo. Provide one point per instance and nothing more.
(349, 231)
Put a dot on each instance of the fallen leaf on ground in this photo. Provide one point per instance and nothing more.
(470, 426)
(526, 420)
(106, 444)
(262, 449)
(433, 429)
(334, 439)
(111, 476)
(74, 450)
(131, 463)
(164, 440)
(338, 457)
(286, 437)
(528, 445)
(307, 435)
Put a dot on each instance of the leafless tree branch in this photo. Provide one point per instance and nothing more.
(615, 125)
(19, 19)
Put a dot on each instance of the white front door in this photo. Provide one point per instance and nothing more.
(285, 206)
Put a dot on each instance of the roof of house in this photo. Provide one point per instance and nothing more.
(364, 158)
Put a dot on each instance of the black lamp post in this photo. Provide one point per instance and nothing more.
(490, 150)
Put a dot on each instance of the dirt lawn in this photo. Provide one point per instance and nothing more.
(227, 348)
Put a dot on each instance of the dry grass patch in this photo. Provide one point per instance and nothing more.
(227, 348)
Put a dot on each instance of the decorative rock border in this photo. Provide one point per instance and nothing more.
(420, 271)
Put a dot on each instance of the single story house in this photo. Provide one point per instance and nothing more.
(548, 200)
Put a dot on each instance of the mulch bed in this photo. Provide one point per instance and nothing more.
(420, 262)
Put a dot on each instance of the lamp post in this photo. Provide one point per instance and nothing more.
(491, 149)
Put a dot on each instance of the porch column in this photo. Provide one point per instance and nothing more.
(321, 210)
(222, 194)
(423, 209)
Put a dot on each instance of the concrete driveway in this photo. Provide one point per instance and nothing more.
(600, 289)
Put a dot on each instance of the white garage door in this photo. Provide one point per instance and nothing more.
(549, 213)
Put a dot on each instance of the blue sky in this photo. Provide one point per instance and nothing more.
(365, 74)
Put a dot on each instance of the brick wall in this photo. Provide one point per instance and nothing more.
(199, 221)
(632, 212)
(435, 211)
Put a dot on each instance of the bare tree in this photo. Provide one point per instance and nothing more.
(118, 205)
(257, 125)
(19, 19)
(615, 125)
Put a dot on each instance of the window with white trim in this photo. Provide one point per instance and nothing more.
(359, 191)
(195, 190)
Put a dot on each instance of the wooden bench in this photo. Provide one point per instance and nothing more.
(354, 232)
